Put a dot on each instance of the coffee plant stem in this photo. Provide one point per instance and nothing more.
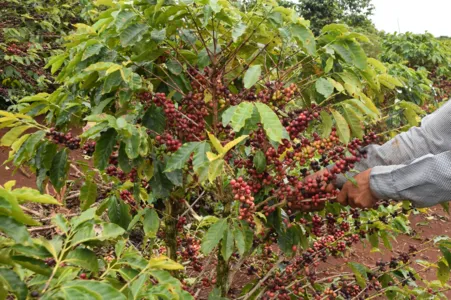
(268, 274)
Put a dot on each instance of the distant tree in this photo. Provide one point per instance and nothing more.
(355, 13)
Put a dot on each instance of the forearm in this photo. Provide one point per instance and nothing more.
(425, 182)
(433, 137)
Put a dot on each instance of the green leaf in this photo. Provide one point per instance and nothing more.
(374, 240)
(119, 212)
(326, 122)
(132, 145)
(123, 160)
(324, 87)
(242, 113)
(252, 76)
(227, 115)
(353, 121)
(239, 240)
(123, 18)
(306, 36)
(154, 119)
(351, 52)
(104, 148)
(271, 123)
(132, 34)
(160, 184)
(58, 171)
(360, 273)
(259, 161)
(31, 195)
(101, 232)
(98, 290)
(213, 236)
(342, 127)
(227, 244)
(84, 258)
(14, 284)
(446, 255)
(443, 272)
(13, 135)
(60, 221)
(18, 232)
(181, 156)
(36, 265)
(151, 223)
(89, 51)
(88, 194)
(158, 35)
(238, 31)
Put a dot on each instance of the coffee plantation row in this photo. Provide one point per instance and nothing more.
(190, 131)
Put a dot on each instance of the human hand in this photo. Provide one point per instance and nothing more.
(359, 194)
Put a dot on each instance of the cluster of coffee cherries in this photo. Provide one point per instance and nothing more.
(189, 248)
(243, 193)
(15, 49)
(66, 139)
(171, 144)
(299, 124)
(89, 147)
(127, 197)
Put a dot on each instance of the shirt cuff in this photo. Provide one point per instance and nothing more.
(382, 182)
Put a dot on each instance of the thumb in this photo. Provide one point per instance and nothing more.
(342, 197)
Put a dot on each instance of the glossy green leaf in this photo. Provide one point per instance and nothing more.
(324, 87)
(83, 258)
(360, 273)
(259, 161)
(241, 113)
(227, 245)
(88, 194)
(213, 236)
(104, 148)
(181, 156)
(354, 121)
(326, 124)
(342, 127)
(252, 76)
(59, 170)
(119, 212)
(15, 284)
(271, 123)
(18, 232)
(151, 223)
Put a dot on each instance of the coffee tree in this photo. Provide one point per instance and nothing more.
(30, 32)
(211, 122)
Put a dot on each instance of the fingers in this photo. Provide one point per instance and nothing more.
(342, 198)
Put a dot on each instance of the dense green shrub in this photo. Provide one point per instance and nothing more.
(30, 32)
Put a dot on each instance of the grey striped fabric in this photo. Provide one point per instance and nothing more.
(415, 165)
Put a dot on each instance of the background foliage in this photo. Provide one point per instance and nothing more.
(202, 123)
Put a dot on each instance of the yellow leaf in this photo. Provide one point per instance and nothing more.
(9, 185)
(7, 114)
(216, 143)
(164, 263)
(207, 96)
(233, 143)
(113, 69)
(7, 119)
(211, 156)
